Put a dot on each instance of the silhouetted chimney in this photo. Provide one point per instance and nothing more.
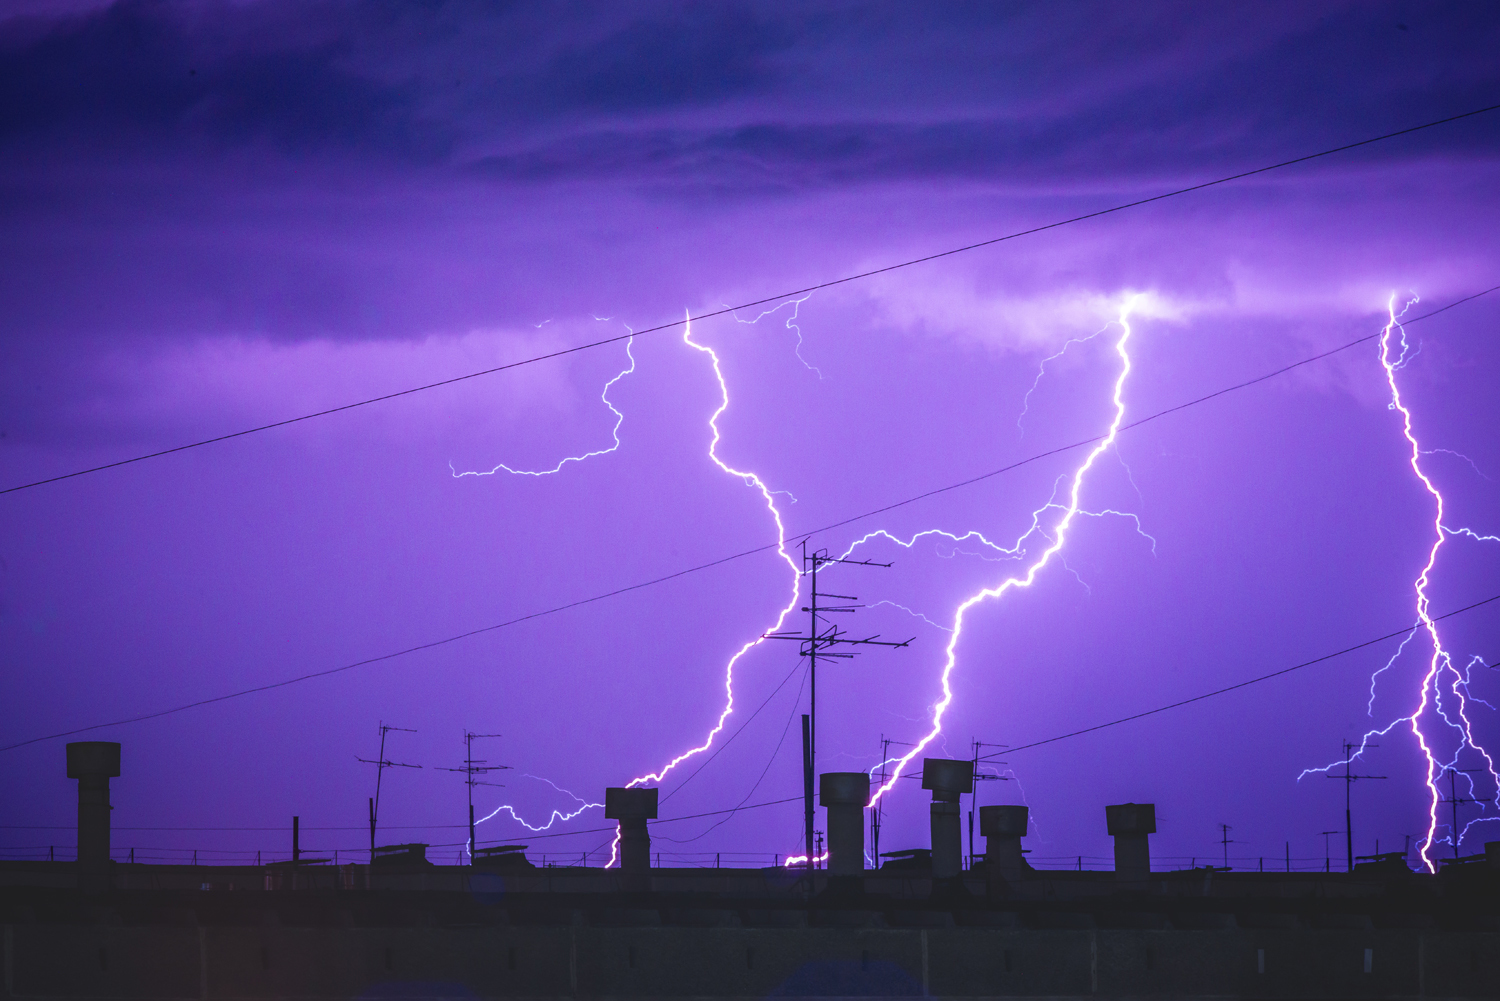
(948, 779)
(1003, 827)
(93, 763)
(845, 794)
(632, 808)
(1129, 825)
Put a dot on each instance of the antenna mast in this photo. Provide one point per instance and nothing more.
(473, 767)
(1226, 841)
(819, 640)
(1455, 799)
(981, 757)
(1349, 779)
(381, 764)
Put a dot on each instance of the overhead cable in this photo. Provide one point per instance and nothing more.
(754, 302)
(1253, 681)
(740, 555)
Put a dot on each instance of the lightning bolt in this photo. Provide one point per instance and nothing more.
(792, 860)
(1056, 533)
(749, 478)
(791, 324)
(1448, 451)
(1014, 552)
(562, 815)
(1440, 673)
(912, 612)
(1042, 370)
(614, 432)
(768, 495)
(557, 815)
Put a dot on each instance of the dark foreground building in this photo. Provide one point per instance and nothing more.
(505, 929)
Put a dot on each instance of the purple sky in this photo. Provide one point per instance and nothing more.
(218, 215)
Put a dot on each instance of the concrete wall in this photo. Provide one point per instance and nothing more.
(269, 961)
(788, 883)
(181, 932)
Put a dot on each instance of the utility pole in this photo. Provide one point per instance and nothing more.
(807, 785)
(1328, 852)
(1226, 841)
(1349, 779)
(979, 758)
(1455, 799)
(381, 764)
(473, 767)
(819, 640)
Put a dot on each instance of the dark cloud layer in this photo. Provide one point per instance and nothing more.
(956, 93)
(297, 169)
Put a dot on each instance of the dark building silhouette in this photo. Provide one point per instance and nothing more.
(506, 928)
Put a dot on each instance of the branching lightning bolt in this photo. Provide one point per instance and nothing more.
(1056, 534)
(912, 612)
(614, 432)
(1015, 552)
(768, 495)
(791, 324)
(1042, 370)
(557, 815)
(1441, 673)
(749, 478)
(1448, 451)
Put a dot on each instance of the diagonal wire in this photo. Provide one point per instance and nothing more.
(740, 555)
(1253, 681)
(763, 772)
(758, 302)
(742, 726)
(792, 799)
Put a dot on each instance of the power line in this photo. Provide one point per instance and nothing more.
(74, 827)
(796, 703)
(742, 726)
(747, 552)
(561, 834)
(1256, 681)
(757, 302)
(791, 799)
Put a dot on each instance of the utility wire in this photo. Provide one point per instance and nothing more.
(530, 837)
(796, 704)
(748, 552)
(795, 667)
(383, 827)
(1254, 681)
(754, 806)
(756, 302)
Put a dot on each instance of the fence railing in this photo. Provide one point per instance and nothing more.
(437, 854)
(456, 855)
